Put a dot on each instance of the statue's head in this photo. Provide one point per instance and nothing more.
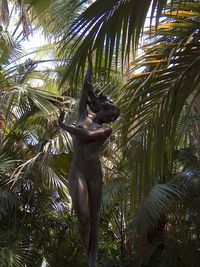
(104, 108)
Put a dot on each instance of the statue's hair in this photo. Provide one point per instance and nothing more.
(100, 102)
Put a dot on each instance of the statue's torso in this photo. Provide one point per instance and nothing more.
(86, 159)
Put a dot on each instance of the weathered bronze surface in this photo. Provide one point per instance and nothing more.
(85, 177)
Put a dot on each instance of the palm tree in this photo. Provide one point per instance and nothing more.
(33, 189)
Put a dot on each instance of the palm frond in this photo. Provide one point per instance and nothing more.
(111, 192)
(15, 255)
(7, 202)
(111, 29)
(152, 102)
(6, 163)
(54, 23)
(43, 100)
(24, 169)
(10, 49)
(157, 205)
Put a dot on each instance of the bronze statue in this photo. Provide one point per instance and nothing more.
(85, 176)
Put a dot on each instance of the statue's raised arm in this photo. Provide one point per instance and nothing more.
(87, 88)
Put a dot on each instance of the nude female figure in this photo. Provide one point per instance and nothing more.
(85, 176)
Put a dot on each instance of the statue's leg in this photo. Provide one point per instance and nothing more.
(95, 194)
(79, 195)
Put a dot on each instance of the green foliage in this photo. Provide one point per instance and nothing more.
(150, 208)
(39, 6)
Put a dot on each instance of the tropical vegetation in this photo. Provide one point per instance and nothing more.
(146, 56)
